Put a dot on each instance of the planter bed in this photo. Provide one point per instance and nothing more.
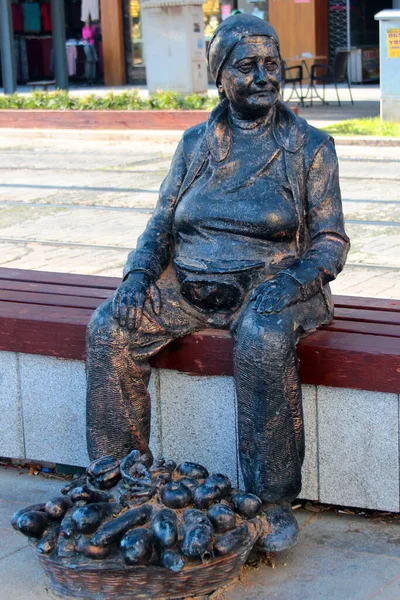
(103, 119)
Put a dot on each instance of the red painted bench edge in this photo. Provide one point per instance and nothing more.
(328, 357)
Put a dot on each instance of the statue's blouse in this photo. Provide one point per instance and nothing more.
(239, 209)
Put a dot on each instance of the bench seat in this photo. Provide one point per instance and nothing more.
(47, 313)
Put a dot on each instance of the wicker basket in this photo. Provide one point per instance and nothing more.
(107, 581)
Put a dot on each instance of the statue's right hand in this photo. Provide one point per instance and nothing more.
(129, 299)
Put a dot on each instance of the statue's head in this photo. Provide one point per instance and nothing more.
(245, 63)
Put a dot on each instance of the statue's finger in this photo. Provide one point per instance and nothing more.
(257, 301)
(123, 312)
(138, 309)
(265, 301)
(130, 320)
(155, 298)
(280, 305)
(115, 304)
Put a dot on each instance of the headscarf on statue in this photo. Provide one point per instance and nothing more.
(229, 33)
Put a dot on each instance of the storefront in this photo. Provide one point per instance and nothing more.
(319, 28)
(63, 39)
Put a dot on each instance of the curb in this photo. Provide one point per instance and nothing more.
(167, 135)
(366, 140)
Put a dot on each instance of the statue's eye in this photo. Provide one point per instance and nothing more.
(271, 66)
(245, 67)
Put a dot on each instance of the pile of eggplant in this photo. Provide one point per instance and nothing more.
(138, 513)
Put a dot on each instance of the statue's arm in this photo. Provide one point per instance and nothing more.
(152, 253)
(328, 242)
(154, 246)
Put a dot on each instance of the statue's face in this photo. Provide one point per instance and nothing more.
(251, 77)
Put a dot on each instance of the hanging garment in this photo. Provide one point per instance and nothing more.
(89, 33)
(35, 58)
(91, 59)
(72, 55)
(17, 18)
(46, 17)
(31, 14)
(90, 8)
(47, 47)
(23, 60)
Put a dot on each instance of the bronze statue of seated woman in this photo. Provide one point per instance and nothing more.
(246, 236)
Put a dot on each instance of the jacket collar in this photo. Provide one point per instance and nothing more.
(289, 131)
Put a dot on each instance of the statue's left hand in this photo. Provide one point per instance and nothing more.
(277, 293)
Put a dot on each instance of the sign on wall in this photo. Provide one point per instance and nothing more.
(393, 43)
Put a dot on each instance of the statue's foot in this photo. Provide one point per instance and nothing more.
(283, 528)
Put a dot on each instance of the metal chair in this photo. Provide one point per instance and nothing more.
(294, 78)
(334, 74)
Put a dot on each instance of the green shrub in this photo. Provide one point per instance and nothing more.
(129, 100)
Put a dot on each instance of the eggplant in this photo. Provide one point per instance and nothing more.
(175, 495)
(197, 540)
(136, 547)
(67, 525)
(133, 471)
(205, 495)
(173, 559)
(247, 505)
(32, 523)
(104, 472)
(190, 469)
(113, 531)
(78, 481)
(86, 494)
(222, 518)
(138, 494)
(190, 483)
(87, 519)
(164, 528)
(19, 513)
(94, 552)
(57, 507)
(67, 547)
(222, 482)
(232, 540)
(48, 541)
(193, 515)
(161, 471)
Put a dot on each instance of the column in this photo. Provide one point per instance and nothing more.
(60, 55)
(7, 48)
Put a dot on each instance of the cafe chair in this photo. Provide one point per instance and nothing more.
(293, 76)
(337, 73)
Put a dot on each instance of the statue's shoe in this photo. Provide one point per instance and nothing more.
(283, 528)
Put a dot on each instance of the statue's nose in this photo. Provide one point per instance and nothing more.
(261, 75)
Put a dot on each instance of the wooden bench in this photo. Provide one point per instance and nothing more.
(47, 314)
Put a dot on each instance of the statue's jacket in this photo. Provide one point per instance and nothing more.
(309, 166)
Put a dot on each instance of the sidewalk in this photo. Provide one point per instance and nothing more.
(339, 556)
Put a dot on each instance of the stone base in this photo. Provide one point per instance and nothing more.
(352, 451)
